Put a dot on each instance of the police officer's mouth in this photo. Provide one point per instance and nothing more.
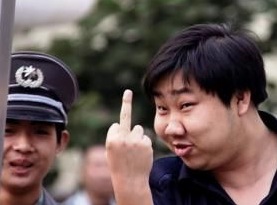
(21, 163)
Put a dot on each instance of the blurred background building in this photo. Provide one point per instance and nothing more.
(38, 21)
(108, 44)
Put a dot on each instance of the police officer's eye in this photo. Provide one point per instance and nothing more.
(9, 131)
(42, 131)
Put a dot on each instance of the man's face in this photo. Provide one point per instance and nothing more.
(195, 125)
(29, 151)
(96, 173)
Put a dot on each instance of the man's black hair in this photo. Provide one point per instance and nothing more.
(221, 60)
(60, 127)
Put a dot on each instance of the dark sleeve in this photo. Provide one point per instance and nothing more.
(163, 177)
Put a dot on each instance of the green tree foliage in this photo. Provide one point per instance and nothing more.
(117, 40)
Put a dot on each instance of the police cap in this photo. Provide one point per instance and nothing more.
(41, 88)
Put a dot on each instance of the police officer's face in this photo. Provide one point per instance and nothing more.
(195, 125)
(29, 151)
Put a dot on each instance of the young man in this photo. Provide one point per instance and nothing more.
(41, 91)
(206, 84)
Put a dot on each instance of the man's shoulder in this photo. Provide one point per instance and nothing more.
(165, 170)
(48, 199)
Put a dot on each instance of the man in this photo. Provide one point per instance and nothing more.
(95, 179)
(206, 84)
(41, 92)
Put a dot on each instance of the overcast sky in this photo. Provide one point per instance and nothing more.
(29, 13)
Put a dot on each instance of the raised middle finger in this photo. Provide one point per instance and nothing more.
(126, 112)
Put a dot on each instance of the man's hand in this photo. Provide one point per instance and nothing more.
(130, 157)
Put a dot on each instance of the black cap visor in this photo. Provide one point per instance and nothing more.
(41, 113)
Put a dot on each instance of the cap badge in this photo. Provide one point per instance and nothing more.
(29, 76)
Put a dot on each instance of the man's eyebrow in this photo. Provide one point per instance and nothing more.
(182, 90)
(179, 91)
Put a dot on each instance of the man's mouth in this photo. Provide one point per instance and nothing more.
(21, 166)
(182, 150)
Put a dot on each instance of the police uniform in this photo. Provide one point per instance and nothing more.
(172, 182)
(41, 88)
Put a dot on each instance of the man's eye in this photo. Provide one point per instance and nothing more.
(161, 109)
(187, 105)
(42, 132)
(8, 130)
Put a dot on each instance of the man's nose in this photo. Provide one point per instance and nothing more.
(23, 143)
(175, 127)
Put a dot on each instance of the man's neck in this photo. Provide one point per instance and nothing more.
(255, 158)
(29, 197)
(251, 173)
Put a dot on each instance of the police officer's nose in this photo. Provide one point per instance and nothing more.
(23, 144)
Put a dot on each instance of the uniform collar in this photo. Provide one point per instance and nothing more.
(269, 120)
(41, 199)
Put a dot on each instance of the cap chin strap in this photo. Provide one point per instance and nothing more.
(39, 99)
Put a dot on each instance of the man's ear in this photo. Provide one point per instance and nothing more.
(65, 136)
(243, 99)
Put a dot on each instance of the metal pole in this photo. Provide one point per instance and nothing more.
(7, 9)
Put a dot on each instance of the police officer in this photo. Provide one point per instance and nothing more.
(42, 90)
